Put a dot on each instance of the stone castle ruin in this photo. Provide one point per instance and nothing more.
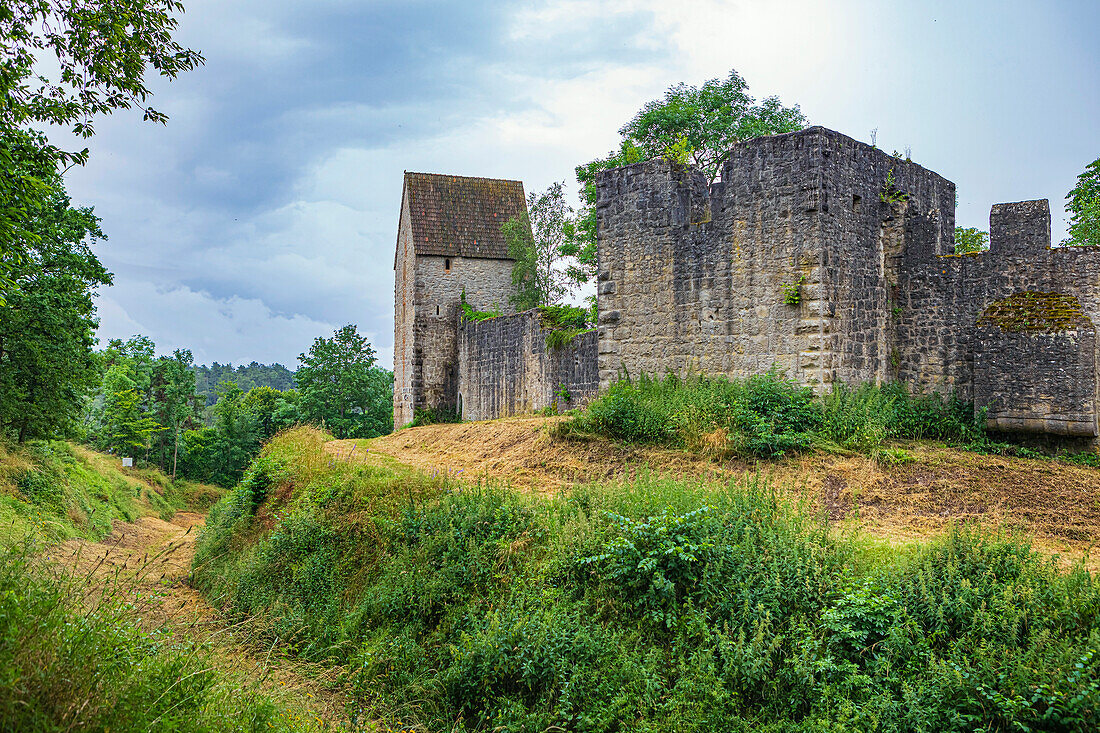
(814, 253)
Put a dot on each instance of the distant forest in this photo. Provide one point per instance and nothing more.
(207, 378)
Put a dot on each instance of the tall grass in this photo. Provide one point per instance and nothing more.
(645, 605)
(72, 657)
(768, 416)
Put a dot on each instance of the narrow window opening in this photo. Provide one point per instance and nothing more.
(437, 310)
(447, 264)
(855, 203)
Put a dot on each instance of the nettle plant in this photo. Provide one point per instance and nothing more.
(656, 563)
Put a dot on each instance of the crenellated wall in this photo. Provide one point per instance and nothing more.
(693, 278)
(942, 298)
(814, 253)
(505, 368)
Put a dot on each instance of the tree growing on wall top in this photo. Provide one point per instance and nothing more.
(536, 241)
(696, 125)
(1083, 207)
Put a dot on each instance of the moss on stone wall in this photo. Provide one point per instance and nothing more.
(1035, 312)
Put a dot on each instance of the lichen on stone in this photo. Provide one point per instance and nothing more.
(1033, 311)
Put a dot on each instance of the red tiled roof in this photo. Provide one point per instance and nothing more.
(460, 216)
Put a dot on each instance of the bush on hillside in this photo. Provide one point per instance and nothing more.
(768, 416)
(649, 605)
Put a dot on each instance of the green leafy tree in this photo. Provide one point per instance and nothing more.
(198, 454)
(174, 404)
(689, 124)
(235, 437)
(99, 51)
(127, 429)
(271, 410)
(341, 388)
(1083, 207)
(536, 241)
(47, 329)
(701, 124)
(970, 239)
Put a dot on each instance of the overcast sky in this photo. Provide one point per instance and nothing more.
(265, 213)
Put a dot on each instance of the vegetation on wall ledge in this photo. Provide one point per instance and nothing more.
(890, 193)
(472, 314)
(1035, 312)
(562, 324)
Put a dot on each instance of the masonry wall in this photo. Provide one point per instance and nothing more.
(1037, 382)
(487, 283)
(404, 388)
(875, 210)
(690, 279)
(941, 298)
(505, 368)
(691, 276)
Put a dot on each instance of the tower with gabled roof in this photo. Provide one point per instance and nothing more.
(449, 241)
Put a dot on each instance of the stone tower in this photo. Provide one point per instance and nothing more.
(449, 240)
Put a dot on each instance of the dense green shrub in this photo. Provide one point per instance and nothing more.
(433, 416)
(768, 416)
(652, 605)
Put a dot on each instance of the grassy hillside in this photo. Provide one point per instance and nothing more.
(644, 604)
(74, 652)
(58, 490)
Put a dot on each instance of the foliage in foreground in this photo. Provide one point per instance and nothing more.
(644, 606)
(74, 659)
(47, 315)
(768, 416)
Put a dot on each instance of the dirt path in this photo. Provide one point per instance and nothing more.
(148, 562)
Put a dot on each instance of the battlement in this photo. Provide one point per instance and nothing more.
(833, 260)
(1019, 228)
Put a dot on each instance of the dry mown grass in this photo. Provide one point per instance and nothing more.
(1057, 504)
(147, 563)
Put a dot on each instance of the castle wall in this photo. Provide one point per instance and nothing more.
(1037, 382)
(506, 369)
(438, 294)
(875, 210)
(941, 299)
(692, 278)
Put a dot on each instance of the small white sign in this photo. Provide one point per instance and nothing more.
(127, 462)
